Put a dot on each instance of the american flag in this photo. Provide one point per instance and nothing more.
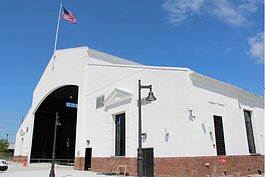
(67, 15)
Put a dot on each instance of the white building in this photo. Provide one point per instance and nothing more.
(198, 126)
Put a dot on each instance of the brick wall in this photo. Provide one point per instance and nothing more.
(79, 163)
(181, 166)
(196, 166)
(110, 164)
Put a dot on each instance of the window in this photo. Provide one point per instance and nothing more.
(249, 129)
(219, 135)
(100, 102)
(120, 135)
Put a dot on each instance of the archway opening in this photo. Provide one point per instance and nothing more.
(64, 101)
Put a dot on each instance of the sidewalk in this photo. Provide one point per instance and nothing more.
(43, 170)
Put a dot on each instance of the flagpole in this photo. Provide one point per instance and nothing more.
(57, 31)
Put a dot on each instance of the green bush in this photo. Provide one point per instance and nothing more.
(3, 145)
(3, 148)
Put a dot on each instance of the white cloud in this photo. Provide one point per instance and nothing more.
(180, 10)
(249, 6)
(233, 12)
(256, 47)
(229, 14)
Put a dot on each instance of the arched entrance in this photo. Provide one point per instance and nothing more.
(64, 101)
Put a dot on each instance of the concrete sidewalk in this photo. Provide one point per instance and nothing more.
(43, 170)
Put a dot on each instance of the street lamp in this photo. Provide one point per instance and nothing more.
(67, 147)
(150, 97)
(57, 122)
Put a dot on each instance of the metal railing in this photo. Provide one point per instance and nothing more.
(68, 162)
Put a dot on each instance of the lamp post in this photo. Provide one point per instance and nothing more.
(67, 147)
(150, 97)
(57, 122)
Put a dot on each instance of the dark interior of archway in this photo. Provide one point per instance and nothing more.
(63, 101)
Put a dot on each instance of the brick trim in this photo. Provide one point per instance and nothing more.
(19, 158)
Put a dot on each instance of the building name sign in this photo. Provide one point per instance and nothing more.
(71, 105)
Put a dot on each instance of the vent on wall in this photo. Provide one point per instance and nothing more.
(100, 102)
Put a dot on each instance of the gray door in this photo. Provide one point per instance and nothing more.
(148, 154)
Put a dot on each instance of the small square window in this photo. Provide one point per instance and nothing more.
(100, 102)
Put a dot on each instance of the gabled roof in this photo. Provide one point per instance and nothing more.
(102, 56)
(120, 62)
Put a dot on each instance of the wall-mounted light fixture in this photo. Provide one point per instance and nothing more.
(166, 131)
(87, 142)
(166, 134)
(144, 136)
(192, 116)
(211, 130)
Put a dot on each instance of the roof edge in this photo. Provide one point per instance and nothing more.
(226, 84)
(72, 48)
(144, 67)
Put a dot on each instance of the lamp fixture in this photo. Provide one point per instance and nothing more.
(88, 142)
(144, 136)
(150, 96)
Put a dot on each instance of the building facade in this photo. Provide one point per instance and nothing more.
(198, 126)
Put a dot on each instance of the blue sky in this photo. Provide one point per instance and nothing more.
(222, 39)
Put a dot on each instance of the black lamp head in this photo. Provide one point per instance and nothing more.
(151, 96)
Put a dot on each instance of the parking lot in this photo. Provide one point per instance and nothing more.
(43, 170)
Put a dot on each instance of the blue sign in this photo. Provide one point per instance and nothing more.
(71, 105)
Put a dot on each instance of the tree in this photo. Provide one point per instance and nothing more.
(3, 145)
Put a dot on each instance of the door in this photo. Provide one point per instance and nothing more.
(148, 162)
(249, 129)
(219, 135)
(88, 159)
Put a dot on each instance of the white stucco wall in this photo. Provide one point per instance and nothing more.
(176, 94)
(68, 70)
(99, 124)
(211, 97)
(177, 124)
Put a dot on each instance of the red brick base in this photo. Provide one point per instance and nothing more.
(196, 166)
(182, 166)
(79, 163)
(20, 158)
(110, 164)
